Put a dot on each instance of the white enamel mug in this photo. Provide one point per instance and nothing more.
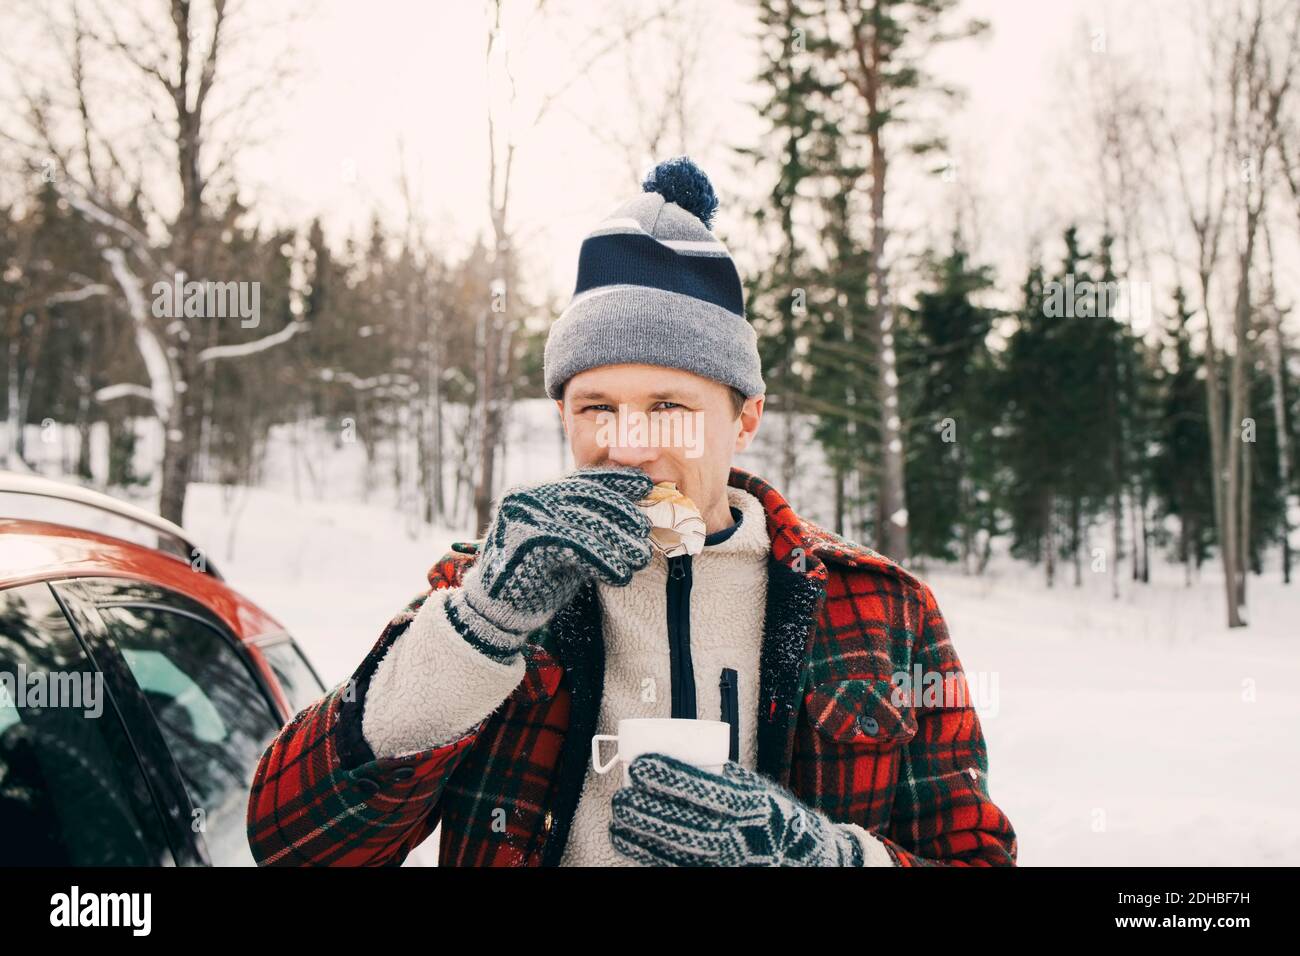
(701, 743)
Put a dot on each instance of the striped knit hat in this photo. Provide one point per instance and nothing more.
(655, 286)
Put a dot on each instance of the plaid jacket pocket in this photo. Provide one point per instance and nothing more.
(853, 749)
(860, 711)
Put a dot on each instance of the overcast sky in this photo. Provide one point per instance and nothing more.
(382, 86)
(410, 83)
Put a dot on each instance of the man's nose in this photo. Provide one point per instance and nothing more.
(625, 444)
(637, 455)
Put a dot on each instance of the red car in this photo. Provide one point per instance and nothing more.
(137, 692)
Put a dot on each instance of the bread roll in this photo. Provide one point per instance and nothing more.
(677, 527)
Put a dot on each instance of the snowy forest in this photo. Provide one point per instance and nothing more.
(1127, 396)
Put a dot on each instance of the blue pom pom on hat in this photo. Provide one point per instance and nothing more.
(655, 286)
(680, 181)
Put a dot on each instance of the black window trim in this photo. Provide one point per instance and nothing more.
(189, 848)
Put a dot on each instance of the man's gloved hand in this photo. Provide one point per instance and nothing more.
(544, 543)
(675, 814)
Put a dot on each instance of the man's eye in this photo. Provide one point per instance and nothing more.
(588, 408)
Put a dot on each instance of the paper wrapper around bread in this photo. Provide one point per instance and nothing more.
(677, 527)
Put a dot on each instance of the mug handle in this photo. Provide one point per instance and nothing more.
(595, 753)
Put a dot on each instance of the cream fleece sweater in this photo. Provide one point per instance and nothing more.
(729, 583)
(432, 686)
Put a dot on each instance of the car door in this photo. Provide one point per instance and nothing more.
(212, 709)
(73, 790)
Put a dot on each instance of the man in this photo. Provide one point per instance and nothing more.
(477, 706)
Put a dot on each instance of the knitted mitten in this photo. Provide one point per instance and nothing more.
(675, 814)
(544, 543)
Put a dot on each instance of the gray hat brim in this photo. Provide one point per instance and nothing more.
(615, 325)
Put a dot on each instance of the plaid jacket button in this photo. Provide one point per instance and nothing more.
(869, 725)
(367, 785)
(403, 773)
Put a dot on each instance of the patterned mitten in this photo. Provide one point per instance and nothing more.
(544, 543)
(675, 814)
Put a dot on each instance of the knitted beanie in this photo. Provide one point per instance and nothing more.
(656, 287)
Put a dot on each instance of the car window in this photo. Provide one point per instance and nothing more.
(295, 675)
(211, 711)
(71, 790)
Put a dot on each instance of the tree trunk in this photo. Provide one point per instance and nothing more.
(1076, 545)
(1116, 538)
(1184, 551)
(84, 470)
(1277, 372)
(893, 502)
(1236, 409)
(838, 518)
(14, 422)
(1146, 543)
(1247, 461)
(439, 504)
(789, 461)
(1049, 536)
(1213, 400)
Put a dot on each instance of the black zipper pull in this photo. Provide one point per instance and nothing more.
(729, 686)
(675, 569)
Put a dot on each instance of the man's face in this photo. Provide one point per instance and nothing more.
(673, 425)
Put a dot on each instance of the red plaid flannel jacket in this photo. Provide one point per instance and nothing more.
(841, 622)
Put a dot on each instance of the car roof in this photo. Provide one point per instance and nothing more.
(32, 551)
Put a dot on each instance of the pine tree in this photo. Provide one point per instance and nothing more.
(1181, 464)
(786, 298)
(947, 372)
(843, 362)
(1028, 402)
(1056, 383)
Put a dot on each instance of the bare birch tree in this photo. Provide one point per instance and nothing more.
(159, 180)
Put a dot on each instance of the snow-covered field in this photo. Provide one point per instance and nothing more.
(1136, 730)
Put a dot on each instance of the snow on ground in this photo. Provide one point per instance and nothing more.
(1136, 730)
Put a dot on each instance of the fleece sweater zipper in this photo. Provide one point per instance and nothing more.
(679, 636)
(681, 667)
